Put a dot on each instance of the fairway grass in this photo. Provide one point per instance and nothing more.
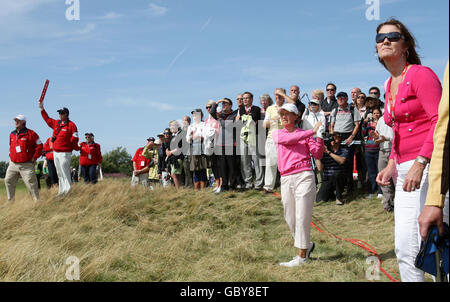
(121, 233)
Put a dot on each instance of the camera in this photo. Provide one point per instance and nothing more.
(327, 139)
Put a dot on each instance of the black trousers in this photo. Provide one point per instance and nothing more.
(348, 166)
(329, 185)
(89, 173)
(52, 172)
(228, 172)
(215, 166)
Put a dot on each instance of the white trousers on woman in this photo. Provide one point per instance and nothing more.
(407, 208)
(298, 193)
(62, 165)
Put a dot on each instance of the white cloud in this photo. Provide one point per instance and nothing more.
(157, 11)
(14, 8)
(109, 16)
(89, 28)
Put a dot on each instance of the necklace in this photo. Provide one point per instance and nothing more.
(391, 101)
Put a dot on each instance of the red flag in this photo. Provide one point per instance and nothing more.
(44, 91)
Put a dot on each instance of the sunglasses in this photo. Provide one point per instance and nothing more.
(331, 89)
(361, 97)
(208, 107)
(392, 37)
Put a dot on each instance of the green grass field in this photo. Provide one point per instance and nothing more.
(132, 234)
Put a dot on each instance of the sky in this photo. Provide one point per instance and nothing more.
(127, 68)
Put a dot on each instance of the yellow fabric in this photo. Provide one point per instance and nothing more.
(434, 196)
(273, 112)
(152, 154)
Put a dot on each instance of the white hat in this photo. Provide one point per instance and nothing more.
(157, 141)
(21, 117)
(289, 107)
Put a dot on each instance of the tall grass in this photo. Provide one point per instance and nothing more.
(121, 233)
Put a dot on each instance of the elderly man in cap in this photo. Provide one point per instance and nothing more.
(65, 140)
(140, 167)
(151, 152)
(90, 158)
(25, 148)
(346, 120)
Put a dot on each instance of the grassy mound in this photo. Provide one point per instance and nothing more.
(121, 233)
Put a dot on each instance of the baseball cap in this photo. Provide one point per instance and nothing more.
(157, 141)
(372, 96)
(64, 110)
(315, 101)
(20, 117)
(289, 107)
(90, 134)
(342, 94)
(151, 139)
(161, 134)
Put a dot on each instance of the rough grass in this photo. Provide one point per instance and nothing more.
(132, 234)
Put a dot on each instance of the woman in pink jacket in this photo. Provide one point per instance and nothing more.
(298, 187)
(413, 93)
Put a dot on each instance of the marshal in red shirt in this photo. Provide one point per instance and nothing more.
(24, 146)
(66, 134)
(90, 154)
(140, 160)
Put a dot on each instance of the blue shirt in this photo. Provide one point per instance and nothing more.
(330, 166)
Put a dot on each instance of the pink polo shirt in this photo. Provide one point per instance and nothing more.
(416, 114)
(294, 149)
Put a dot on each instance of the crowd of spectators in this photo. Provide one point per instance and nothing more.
(231, 148)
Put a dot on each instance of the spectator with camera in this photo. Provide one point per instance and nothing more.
(333, 175)
(226, 143)
(163, 168)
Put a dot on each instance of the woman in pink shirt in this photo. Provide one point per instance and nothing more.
(413, 93)
(298, 187)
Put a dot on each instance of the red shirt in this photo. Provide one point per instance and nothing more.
(140, 160)
(66, 134)
(24, 146)
(90, 154)
(48, 149)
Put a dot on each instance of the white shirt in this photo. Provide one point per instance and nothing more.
(310, 119)
(387, 132)
(194, 134)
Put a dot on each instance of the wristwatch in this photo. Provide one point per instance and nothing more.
(421, 160)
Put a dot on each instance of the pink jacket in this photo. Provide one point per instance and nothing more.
(294, 149)
(416, 114)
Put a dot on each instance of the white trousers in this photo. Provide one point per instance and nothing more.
(408, 206)
(270, 177)
(62, 165)
(298, 193)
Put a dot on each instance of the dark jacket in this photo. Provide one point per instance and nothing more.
(222, 117)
